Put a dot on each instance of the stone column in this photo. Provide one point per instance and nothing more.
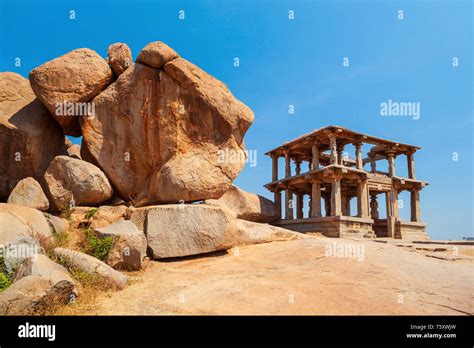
(298, 167)
(411, 165)
(315, 157)
(315, 199)
(277, 196)
(287, 164)
(336, 197)
(333, 148)
(358, 154)
(343, 204)
(288, 204)
(391, 163)
(348, 206)
(415, 205)
(392, 214)
(274, 167)
(373, 163)
(299, 205)
(327, 204)
(340, 149)
(374, 207)
(362, 200)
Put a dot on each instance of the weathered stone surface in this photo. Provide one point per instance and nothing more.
(165, 136)
(92, 266)
(76, 77)
(25, 124)
(129, 247)
(28, 192)
(41, 265)
(156, 54)
(186, 229)
(246, 205)
(35, 294)
(70, 179)
(244, 232)
(74, 151)
(57, 224)
(33, 221)
(107, 215)
(119, 57)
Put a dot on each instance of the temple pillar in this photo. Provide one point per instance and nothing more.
(315, 199)
(327, 204)
(415, 205)
(277, 199)
(274, 167)
(298, 167)
(348, 206)
(391, 163)
(288, 204)
(336, 197)
(340, 149)
(374, 207)
(299, 205)
(358, 154)
(362, 200)
(392, 212)
(333, 148)
(314, 157)
(411, 165)
(287, 164)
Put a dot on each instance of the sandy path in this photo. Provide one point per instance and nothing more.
(295, 277)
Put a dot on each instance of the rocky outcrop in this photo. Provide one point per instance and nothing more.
(20, 221)
(129, 245)
(74, 151)
(35, 294)
(186, 229)
(92, 266)
(156, 54)
(247, 206)
(28, 138)
(246, 232)
(72, 180)
(106, 215)
(167, 135)
(65, 82)
(119, 57)
(28, 192)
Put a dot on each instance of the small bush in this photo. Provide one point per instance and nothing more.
(97, 247)
(4, 282)
(5, 275)
(91, 212)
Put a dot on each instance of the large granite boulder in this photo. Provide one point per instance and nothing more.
(167, 135)
(106, 215)
(20, 221)
(35, 295)
(156, 54)
(129, 245)
(28, 138)
(186, 229)
(92, 266)
(76, 77)
(244, 232)
(247, 206)
(72, 180)
(119, 57)
(28, 192)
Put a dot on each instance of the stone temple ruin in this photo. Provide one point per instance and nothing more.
(337, 179)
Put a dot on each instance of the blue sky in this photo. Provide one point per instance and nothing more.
(300, 62)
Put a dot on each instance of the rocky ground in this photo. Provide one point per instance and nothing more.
(295, 277)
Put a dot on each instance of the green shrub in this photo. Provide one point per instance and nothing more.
(91, 212)
(4, 282)
(5, 275)
(98, 247)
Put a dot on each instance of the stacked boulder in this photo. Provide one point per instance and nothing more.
(162, 142)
